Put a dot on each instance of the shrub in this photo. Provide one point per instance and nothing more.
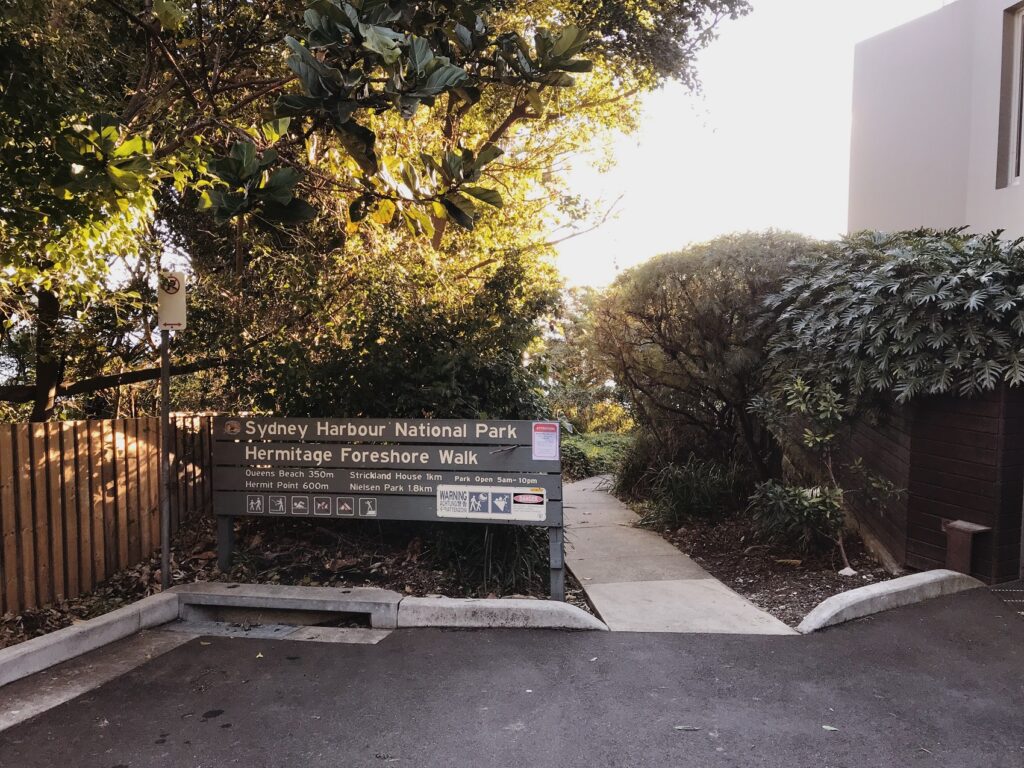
(502, 559)
(905, 314)
(685, 335)
(696, 488)
(809, 520)
(594, 454)
(641, 457)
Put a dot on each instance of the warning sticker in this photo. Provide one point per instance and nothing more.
(471, 502)
(546, 443)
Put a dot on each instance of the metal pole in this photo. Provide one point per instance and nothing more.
(165, 459)
(556, 555)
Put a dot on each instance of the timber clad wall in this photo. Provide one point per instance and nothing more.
(957, 459)
(884, 450)
(79, 501)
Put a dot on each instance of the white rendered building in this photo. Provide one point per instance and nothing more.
(938, 122)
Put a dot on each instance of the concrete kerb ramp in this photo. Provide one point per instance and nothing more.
(205, 600)
(884, 596)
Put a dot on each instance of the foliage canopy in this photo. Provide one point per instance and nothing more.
(333, 145)
(685, 335)
(905, 315)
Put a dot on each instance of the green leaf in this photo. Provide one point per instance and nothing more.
(381, 41)
(557, 80)
(319, 80)
(464, 38)
(280, 185)
(487, 155)
(442, 78)
(245, 153)
(169, 14)
(484, 195)
(410, 177)
(460, 209)
(383, 212)
(227, 170)
(568, 43)
(420, 56)
(535, 100)
(576, 65)
(123, 180)
(360, 143)
(210, 198)
(296, 104)
(275, 129)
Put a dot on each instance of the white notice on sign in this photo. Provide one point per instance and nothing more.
(479, 502)
(171, 301)
(545, 440)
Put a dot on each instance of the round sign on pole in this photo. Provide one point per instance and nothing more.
(171, 301)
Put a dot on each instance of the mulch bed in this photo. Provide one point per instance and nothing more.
(288, 552)
(785, 584)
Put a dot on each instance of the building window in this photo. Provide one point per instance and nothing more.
(1011, 123)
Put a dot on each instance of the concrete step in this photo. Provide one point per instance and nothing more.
(269, 604)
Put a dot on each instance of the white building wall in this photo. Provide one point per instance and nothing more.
(911, 132)
(989, 208)
(926, 120)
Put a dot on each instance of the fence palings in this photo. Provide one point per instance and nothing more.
(80, 500)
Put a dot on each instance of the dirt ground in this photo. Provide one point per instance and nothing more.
(785, 584)
(410, 560)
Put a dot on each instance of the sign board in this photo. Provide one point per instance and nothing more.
(389, 469)
(171, 301)
(440, 470)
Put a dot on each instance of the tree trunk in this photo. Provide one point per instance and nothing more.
(750, 441)
(48, 362)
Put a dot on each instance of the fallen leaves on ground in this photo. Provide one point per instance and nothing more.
(774, 579)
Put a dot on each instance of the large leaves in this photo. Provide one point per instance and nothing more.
(360, 142)
(100, 157)
(907, 314)
(169, 14)
(247, 185)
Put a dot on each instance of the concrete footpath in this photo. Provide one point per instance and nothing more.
(638, 582)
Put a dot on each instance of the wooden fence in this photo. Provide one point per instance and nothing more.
(79, 500)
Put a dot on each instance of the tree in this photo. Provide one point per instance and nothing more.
(393, 121)
(580, 388)
(686, 334)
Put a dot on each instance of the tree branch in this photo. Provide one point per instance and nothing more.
(154, 33)
(23, 393)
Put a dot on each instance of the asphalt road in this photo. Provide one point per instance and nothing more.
(938, 684)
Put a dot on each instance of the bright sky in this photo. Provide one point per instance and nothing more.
(765, 145)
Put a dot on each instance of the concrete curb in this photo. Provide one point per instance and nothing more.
(508, 612)
(874, 598)
(387, 609)
(37, 654)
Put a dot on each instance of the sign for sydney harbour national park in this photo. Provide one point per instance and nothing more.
(401, 469)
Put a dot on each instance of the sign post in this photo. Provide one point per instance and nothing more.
(170, 316)
(493, 472)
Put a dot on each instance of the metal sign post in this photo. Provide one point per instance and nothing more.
(492, 472)
(165, 459)
(171, 316)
